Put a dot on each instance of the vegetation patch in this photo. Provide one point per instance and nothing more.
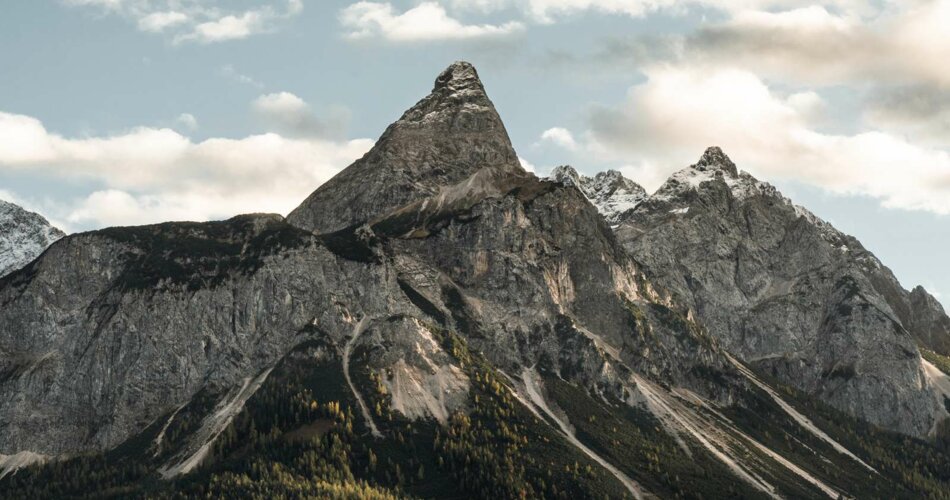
(200, 255)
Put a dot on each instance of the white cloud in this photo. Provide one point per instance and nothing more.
(199, 21)
(280, 103)
(920, 114)
(814, 45)
(550, 11)
(667, 121)
(561, 137)
(157, 22)
(292, 115)
(226, 28)
(425, 22)
(150, 175)
(528, 166)
(105, 4)
(188, 120)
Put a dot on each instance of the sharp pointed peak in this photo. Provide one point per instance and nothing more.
(445, 138)
(715, 158)
(459, 76)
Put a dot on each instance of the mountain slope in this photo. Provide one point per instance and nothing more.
(472, 332)
(23, 237)
(790, 294)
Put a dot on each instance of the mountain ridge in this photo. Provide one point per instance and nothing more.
(472, 331)
(769, 257)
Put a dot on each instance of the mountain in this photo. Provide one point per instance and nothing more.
(436, 323)
(23, 236)
(613, 194)
(446, 137)
(791, 295)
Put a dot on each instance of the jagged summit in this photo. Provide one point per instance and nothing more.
(714, 159)
(613, 194)
(445, 138)
(459, 77)
(23, 236)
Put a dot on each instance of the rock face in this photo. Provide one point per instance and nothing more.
(613, 194)
(444, 138)
(482, 305)
(23, 237)
(790, 294)
(928, 321)
(439, 224)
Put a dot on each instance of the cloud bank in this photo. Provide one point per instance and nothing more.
(666, 122)
(199, 21)
(427, 21)
(151, 175)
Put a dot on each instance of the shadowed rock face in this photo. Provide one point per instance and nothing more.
(929, 322)
(790, 294)
(444, 138)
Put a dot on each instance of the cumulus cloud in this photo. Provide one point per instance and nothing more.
(814, 45)
(668, 121)
(201, 21)
(150, 175)
(550, 11)
(561, 137)
(156, 22)
(188, 120)
(292, 115)
(427, 21)
(919, 112)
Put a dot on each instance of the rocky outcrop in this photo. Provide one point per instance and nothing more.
(23, 237)
(613, 194)
(928, 321)
(788, 293)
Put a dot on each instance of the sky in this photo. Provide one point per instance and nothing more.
(123, 112)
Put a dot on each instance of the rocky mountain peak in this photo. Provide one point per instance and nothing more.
(459, 77)
(714, 159)
(449, 135)
(613, 194)
(23, 236)
(745, 259)
(565, 174)
(928, 321)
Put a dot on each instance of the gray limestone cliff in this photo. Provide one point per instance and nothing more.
(790, 294)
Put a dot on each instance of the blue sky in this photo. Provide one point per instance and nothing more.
(138, 111)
